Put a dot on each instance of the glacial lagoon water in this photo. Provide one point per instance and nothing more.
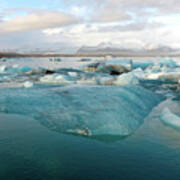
(63, 129)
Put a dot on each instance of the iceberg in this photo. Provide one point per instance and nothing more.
(56, 79)
(15, 69)
(153, 76)
(93, 67)
(139, 73)
(3, 68)
(127, 63)
(28, 84)
(153, 69)
(96, 79)
(170, 119)
(166, 61)
(171, 76)
(25, 69)
(156, 68)
(113, 67)
(84, 110)
(116, 66)
(73, 74)
(142, 65)
(105, 80)
(126, 79)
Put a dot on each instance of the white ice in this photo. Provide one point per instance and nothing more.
(170, 119)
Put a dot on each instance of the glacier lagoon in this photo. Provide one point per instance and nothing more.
(59, 121)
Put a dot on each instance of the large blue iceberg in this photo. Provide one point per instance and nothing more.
(85, 110)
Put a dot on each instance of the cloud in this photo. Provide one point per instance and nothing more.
(110, 16)
(89, 22)
(93, 34)
(133, 26)
(123, 10)
(36, 40)
(36, 21)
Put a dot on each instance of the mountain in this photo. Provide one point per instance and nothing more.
(109, 48)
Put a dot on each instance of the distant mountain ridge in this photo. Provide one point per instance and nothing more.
(108, 48)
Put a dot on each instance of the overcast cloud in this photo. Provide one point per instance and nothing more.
(133, 23)
(36, 21)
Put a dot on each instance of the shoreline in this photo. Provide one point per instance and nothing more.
(19, 55)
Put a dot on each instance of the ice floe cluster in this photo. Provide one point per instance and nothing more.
(118, 72)
(103, 97)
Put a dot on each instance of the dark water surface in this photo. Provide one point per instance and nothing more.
(29, 150)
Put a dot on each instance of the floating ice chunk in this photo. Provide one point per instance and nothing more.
(127, 63)
(164, 68)
(25, 69)
(93, 67)
(153, 69)
(3, 69)
(94, 110)
(105, 80)
(138, 70)
(73, 74)
(142, 65)
(56, 79)
(15, 66)
(159, 68)
(28, 84)
(139, 73)
(153, 76)
(116, 66)
(96, 79)
(163, 73)
(126, 79)
(171, 76)
(50, 79)
(165, 61)
(15, 69)
(170, 119)
(113, 67)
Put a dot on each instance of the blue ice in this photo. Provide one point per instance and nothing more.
(95, 110)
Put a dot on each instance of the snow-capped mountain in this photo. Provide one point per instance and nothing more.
(109, 48)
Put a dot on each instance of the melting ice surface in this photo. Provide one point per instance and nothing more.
(83, 110)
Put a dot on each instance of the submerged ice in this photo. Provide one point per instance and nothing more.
(170, 119)
(85, 110)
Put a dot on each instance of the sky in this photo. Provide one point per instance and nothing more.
(69, 24)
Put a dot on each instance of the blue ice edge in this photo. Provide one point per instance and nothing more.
(170, 119)
(90, 111)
